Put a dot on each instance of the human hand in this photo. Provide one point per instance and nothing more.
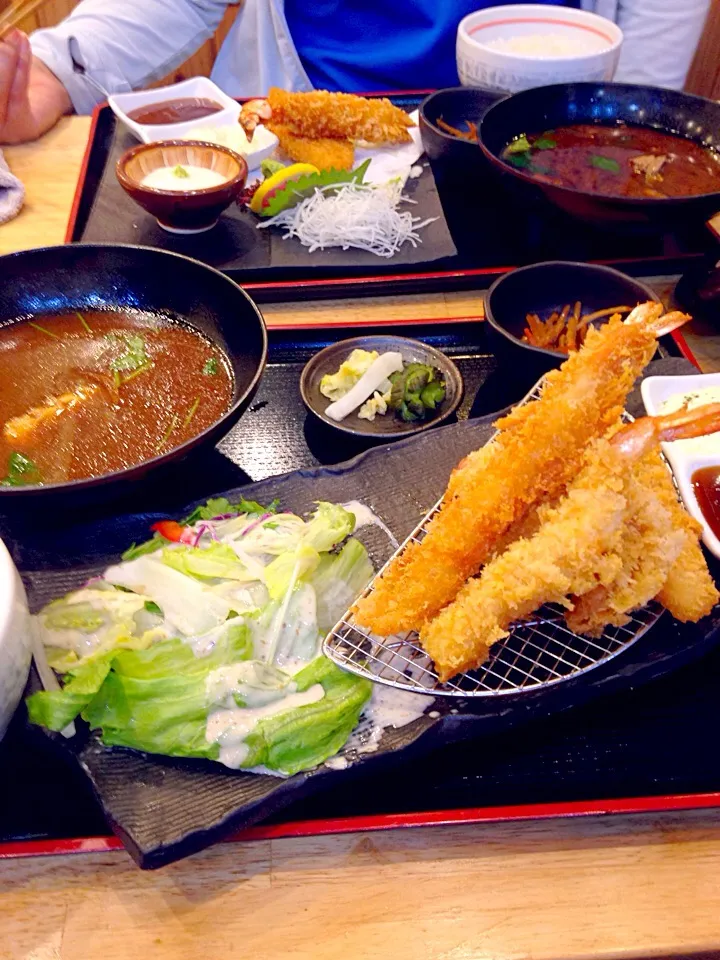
(32, 99)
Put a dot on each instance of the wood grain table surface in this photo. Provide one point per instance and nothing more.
(620, 886)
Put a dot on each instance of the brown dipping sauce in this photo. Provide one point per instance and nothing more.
(706, 486)
(86, 394)
(618, 161)
(175, 111)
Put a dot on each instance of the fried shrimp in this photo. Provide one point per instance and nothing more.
(531, 460)
(578, 547)
(324, 153)
(651, 543)
(339, 116)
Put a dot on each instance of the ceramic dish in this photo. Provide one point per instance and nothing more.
(182, 211)
(124, 103)
(543, 287)
(595, 44)
(387, 426)
(14, 639)
(687, 456)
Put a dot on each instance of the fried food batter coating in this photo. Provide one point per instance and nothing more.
(580, 545)
(319, 114)
(651, 543)
(575, 549)
(532, 460)
(324, 153)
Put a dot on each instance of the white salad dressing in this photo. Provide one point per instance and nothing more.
(694, 398)
(364, 517)
(229, 728)
(183, 177)
(389, 707)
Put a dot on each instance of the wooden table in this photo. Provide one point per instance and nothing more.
(613, 886)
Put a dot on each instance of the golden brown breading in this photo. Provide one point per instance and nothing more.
(324, 153)
(526, 465)
(319, 114)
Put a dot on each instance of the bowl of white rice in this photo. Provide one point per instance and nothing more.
(520, 46)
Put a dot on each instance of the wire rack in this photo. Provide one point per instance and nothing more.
(537, 653)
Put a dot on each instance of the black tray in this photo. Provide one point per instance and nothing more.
(597, 758)
(492, 233)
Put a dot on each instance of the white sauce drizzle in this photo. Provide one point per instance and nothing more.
(364, 517)
(389, 707)
(229, 728)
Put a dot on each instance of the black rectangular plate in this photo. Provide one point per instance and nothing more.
(491, 231)
(596, 748)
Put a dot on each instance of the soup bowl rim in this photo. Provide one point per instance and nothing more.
(174, 453)
(645, 202)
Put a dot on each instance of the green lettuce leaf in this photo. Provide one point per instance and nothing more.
(338, 580)
(219, 560)
(55, 709)
(289, 567)
(328, 526)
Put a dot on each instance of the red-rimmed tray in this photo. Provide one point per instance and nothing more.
(632, 751)
(491, 233)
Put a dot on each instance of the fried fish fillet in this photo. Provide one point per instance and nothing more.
(529, 463)
(324, 153)
(319, 114)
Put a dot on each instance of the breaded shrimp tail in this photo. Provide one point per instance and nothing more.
(340, 116)
(532, 459)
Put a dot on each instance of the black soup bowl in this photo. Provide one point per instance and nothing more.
(606, 104)
(542, 288)
(95, 277)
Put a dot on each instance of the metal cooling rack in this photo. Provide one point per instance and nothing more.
(537, 653)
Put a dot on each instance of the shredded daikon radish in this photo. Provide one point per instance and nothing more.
(362, 215)
(378, 371)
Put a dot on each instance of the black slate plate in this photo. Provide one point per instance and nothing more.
(387, 427)
(164, 809)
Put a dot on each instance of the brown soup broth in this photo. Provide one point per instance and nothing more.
(86, 394)
(621, 160)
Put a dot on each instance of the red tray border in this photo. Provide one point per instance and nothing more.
(364, 283)
(466, 816)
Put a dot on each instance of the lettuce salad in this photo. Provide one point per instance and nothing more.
(205, 641)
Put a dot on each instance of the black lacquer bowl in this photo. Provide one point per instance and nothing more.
(544, 108)
(543, 287)
(107, 277)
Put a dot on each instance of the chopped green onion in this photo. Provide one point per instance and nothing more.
(21, 471)
(211, 367)
(152, 607)
(136, 373)
(43, 330)
(519, 145)
(117, 379)
(134, 356)
(83, 321)
(605, 163)
(520, 160)
(545, 143)
(173, 425)
(192, 411)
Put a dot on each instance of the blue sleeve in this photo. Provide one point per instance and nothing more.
(125, 45)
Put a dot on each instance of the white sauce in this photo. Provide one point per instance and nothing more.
(257, 684)
(230, 727)
(233, 136)
(389, 707)
(337, 763)
(198, 178)
(695, 398)
(364, 517)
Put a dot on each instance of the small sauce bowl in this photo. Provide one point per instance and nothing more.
(182, 211)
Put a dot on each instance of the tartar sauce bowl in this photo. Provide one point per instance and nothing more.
(182, 210)
(687, 456)
(528, 45)
(14, 639)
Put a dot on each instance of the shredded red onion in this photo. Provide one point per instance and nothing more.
(255, 523)
(203, 529)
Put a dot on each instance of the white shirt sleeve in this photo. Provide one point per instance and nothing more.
(660, 40)
(125, 45)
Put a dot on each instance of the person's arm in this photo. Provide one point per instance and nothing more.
(125, 45)
(32, 99)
